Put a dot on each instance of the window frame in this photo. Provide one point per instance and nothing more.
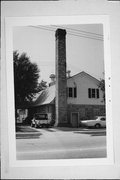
(93, 93)
(72, 92)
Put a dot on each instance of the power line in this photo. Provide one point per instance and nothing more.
(77, 34)
(87, 32)
(70, 31)
(74, 34)
(85, 36)
(49, 27)
(44, 28)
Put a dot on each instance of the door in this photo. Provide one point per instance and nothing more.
(74, 119)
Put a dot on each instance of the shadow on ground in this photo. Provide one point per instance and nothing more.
(89, 131)
(79, 129)
(26, 132)
(92, 133)
(50, 129)
(25, 129)
(28, 136)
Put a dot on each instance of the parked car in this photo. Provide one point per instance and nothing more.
(97, 122)
(41, 120)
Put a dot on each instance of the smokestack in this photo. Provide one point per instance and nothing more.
(61, 83)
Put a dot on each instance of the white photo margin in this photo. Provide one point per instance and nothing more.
(10, 23)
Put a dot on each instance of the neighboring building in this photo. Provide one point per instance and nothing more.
(45, 103)
(84, 99)
(21, 115)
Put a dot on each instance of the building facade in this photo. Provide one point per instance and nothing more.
(84, 99)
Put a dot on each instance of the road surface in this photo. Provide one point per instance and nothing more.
(60, 143)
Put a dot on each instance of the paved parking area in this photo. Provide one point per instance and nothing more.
(57, 143)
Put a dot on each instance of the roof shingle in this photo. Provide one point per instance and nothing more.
(46, 96)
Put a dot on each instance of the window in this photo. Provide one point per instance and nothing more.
(102, 119)
(72, 92)
(93, 93)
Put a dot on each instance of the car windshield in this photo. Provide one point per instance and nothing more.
(41, 116)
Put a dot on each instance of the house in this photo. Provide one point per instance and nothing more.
(45, 103)
(21, 115)
(84, 98)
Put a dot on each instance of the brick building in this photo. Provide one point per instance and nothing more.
(84, 99)
(69, 99)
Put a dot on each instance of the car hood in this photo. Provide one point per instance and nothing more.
(88, 121)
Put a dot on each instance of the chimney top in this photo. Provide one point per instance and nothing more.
(68, 73)
(60, 32)
(52, 76)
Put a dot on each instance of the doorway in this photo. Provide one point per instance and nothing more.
(75, 119)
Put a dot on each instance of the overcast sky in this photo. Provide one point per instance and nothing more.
(84, 48)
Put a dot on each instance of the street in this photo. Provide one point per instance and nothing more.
(60, 143)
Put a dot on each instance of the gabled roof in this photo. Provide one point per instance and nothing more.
(85, 74)
(46, 96)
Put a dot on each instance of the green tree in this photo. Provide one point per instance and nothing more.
(26, 75)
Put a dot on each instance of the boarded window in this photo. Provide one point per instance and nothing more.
(89, 93)
(97, 93)
(75, 92)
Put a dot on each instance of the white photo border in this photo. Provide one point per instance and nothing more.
(10, 23)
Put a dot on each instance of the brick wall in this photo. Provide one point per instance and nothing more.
(61, 82)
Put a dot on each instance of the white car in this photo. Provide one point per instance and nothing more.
(97, 122)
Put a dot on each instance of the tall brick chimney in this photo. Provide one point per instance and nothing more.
(61, 83)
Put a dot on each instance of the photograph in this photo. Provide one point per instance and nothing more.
(59, 91)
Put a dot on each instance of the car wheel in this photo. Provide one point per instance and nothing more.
(97, 125)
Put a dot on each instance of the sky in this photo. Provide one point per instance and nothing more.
(84, 48)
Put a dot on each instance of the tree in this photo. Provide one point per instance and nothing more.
(102, 87)
(26, 75)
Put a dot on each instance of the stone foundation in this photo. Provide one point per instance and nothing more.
(85, 112)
